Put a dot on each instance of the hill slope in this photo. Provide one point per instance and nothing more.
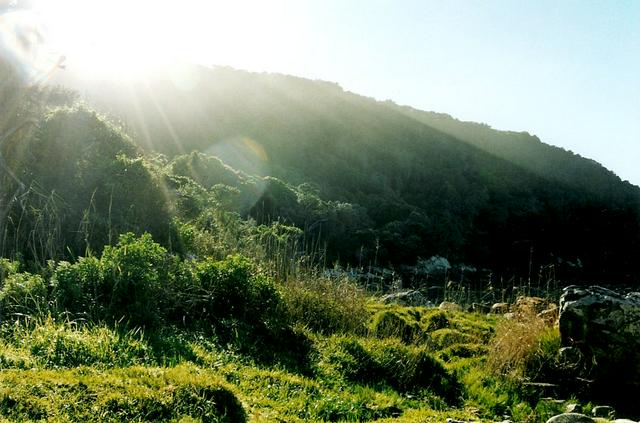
(424, 183)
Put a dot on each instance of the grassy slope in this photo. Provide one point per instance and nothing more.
(63, 372)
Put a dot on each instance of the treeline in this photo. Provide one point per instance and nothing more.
(358, 182)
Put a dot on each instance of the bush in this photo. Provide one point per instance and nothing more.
(78, 287)
(7, 268)
(133, 272)
(23, 294)
(211, 291)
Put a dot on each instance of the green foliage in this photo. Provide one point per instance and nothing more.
(373, 362)
(23, 294)
(134, 271)
(233, 289)
(79, 287)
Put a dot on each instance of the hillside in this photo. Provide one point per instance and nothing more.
(423, 184)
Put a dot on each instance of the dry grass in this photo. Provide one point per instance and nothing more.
(523, 345)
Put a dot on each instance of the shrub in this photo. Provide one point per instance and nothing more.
(78, 287)
(7, 268)
(23, 294)
(233, 288)
(133, 274)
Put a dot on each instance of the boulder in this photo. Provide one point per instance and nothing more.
(449, 306)
(409, 298)
(600, 333)
(603, 411)
(570, 418)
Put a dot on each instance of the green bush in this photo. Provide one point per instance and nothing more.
(23, 294)
(134, 272)
(233, 288)
(78, 287)
(7, 268)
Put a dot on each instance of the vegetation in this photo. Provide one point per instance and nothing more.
(141, 281)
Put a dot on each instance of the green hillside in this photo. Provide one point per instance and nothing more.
(416, 184)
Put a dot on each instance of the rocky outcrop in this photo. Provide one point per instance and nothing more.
(600, 335)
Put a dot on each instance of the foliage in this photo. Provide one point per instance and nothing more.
(23, 294)
(373, 362)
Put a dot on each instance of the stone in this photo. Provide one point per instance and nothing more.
(603, 411)
(449, 306)
(573, 408)
(602, 328)
(410, 298)
(570, 418)
(500, 308)
(623, 421)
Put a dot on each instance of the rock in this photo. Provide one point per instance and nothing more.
(603, 329)
(449, 420)
(409, 298)
(573, 408)
(623, 421)
(449, 306)
(500, 308)
(570, 418)
(604, 411)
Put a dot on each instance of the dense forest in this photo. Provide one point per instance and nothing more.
(362, 183)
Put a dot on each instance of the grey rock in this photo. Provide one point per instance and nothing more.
(573, 408)
(605, 327)
(449, 306)
(603, 411)
(623, 421)
(570, 418)
(409, 298)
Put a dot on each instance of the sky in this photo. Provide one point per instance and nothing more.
(566, 71)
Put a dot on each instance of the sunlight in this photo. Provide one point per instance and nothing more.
(127, 38)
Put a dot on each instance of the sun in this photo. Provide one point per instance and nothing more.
(128, 37)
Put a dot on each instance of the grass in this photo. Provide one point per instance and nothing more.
(59, 370)
(221, 340)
